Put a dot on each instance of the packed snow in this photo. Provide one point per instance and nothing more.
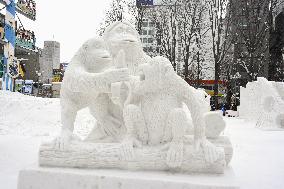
(25, 121)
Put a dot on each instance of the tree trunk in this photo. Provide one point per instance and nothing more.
(216, 91)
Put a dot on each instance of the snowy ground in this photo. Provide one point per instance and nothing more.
(25, 121)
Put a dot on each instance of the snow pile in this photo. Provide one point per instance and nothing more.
(33, 116)
(28, 115)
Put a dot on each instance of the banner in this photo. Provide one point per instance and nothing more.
(13, 67)
(144, 2)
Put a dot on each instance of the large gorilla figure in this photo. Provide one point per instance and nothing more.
(125, 47)
(87, 83)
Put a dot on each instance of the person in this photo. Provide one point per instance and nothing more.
(223, 110)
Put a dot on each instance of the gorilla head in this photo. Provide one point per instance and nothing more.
(94, 55)
(122, 36)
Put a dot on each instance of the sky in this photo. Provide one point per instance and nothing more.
(68, 22)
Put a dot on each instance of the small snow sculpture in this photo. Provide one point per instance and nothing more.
(160, 119)
(262, 102)
(139, 104)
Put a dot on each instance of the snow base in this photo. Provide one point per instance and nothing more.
(109, 155)
(60, 178)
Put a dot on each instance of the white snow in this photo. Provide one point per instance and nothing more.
(25, 121)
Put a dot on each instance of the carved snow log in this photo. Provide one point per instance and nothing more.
(109, 155)
(225, 143)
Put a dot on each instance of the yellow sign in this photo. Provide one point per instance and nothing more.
(56, 78)
(211, 93)
(22, 73)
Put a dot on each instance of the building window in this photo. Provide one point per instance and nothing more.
(144, 40)
(145, 24)
(144, 32)
(151, 24)
(150, 32)
(150, 40)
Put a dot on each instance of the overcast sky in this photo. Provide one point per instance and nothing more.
(70, 22)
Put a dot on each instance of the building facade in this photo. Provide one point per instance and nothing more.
(152, 42)
(50, 60)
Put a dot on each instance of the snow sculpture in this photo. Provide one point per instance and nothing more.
(120, 37)
(86, 83)
(262, 102)
(145, 107)
(160, 119)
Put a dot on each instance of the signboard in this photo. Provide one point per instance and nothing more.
(28, 87)
(63, 66)
(19, 83)
(56, 78)
(13, 67)
(57, 75)
(144, 2)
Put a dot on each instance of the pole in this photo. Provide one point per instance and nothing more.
(9, 47)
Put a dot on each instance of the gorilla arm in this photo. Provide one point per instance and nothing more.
(80, 80)
(198, 107)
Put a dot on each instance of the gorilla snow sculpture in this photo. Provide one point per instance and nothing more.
(159, 117)
(120, 37)
(139, 98)
(87, 83)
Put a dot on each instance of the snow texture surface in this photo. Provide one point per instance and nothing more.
(258, 160)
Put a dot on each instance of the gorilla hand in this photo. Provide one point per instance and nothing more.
(111, 126)
(175, 154)
(210, 151)
(61, 142)
(127, 151)
(116, 75)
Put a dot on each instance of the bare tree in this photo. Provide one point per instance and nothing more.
(165, 18)
(190, 18)
(252, 28)
(113, 13)
(221, 43)
(178, 28)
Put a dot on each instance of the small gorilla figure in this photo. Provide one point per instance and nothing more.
(87, 83)
(155, 115)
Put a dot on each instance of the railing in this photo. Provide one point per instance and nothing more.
(25, 38)
(27, 7)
